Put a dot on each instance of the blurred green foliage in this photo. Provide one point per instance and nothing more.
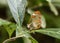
(53, 22)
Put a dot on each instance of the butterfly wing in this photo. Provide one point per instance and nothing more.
(43, 22)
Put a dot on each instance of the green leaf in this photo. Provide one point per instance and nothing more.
(52, 7)
(17, 8)
(33, 40)
(56, 3)
(10, 27)
(3, 34)
(28, 38)
(53, 32)
(4, 22)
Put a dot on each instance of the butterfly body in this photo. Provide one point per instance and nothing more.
(35, 21)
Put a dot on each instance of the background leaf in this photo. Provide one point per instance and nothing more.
(4, 22)
(17, 8)
(56, 2)
(10, 27)
(53, 32)
(52, 7)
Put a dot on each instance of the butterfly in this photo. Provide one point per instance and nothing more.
(36, 21)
